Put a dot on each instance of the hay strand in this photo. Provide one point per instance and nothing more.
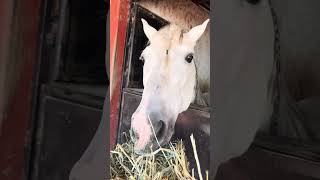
(194, 147)
(164, 163)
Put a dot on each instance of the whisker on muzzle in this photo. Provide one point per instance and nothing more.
(133, 136)
(154, 133)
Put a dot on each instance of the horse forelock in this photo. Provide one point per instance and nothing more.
(168, 37)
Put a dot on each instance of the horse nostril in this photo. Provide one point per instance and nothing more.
(159, 129)
(158, 125)
(133, 135)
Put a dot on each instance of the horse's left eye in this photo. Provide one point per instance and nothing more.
(189, 58)
(142, 59)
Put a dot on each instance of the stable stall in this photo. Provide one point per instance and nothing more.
(127, 73)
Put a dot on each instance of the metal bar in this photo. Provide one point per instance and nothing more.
(31, 136)
(59, 41)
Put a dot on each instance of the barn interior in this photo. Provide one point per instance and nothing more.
(196, 120)
(71, 85)
(292, 132)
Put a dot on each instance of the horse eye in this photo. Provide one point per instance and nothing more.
(142, 59)
(189, 58)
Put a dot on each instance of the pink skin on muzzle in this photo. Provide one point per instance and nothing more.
(141, 126)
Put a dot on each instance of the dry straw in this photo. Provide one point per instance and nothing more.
(164, 163)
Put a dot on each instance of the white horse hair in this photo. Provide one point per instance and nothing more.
(169, 79)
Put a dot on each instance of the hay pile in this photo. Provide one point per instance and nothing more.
(165, 163)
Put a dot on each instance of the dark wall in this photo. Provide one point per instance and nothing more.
(300, 44)
(300, 67)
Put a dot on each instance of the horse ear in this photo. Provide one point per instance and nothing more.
(149, 31)
(196, 32)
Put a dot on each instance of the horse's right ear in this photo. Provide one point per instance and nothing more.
(149, 31)
(196, 32)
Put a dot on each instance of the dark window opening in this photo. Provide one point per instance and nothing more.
(86, 37)
(137, 42)
(75, 42)
(71, 84)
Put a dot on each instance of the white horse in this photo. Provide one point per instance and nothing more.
(187, 14)
(169, 79)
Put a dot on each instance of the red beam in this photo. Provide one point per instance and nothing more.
(119, 17)
(15, 124)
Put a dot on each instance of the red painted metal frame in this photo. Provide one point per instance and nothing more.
(13, 138)
(119, 18)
